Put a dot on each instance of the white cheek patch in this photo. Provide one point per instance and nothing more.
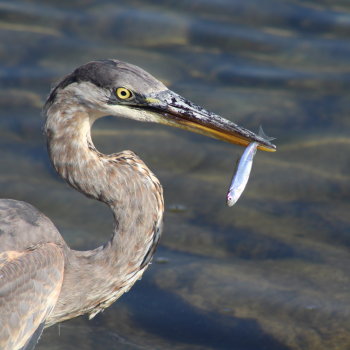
(141, 115)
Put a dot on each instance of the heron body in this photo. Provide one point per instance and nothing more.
(43, 281)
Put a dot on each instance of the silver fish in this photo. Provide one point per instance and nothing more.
(242, 171)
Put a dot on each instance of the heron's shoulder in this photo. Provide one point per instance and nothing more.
(23, 226)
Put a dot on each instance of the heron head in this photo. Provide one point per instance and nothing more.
(111, 87)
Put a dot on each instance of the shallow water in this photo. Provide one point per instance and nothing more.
(270, 272)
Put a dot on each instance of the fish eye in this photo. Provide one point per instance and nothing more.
(123, 93)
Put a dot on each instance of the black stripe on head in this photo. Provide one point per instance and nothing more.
(110, 74)
(100, 73)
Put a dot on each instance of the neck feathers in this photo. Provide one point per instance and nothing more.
(127, 186)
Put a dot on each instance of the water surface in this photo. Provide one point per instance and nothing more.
(270, 272)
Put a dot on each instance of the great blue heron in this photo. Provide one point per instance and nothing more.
(43, 281)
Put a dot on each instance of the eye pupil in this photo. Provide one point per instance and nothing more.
(123, 93)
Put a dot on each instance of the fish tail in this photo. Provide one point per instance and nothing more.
(264, 136)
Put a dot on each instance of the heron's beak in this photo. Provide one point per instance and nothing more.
(174, 110)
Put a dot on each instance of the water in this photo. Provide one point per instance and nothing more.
(270, 272)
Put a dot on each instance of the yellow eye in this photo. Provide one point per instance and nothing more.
(123, 93)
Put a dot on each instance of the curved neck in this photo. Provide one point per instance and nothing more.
(128, 187)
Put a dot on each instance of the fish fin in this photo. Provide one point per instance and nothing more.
(236, 167)
(239, 156)
(237, 163)
(264, 136)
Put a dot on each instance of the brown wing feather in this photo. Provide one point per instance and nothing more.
(30, 283)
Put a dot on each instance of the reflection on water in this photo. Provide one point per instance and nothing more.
(269, 273)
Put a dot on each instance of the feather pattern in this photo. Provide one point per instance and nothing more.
(128, 187)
